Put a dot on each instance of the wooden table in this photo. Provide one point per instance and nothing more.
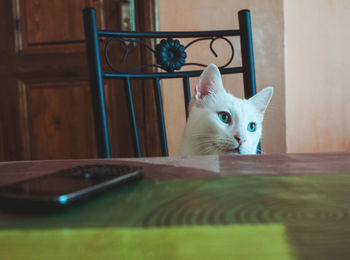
(243, 207)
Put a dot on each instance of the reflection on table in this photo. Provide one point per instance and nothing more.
(251, 207)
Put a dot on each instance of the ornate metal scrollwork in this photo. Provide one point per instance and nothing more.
(170, 54)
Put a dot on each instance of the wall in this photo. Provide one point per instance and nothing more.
(268, 26)
(317, 75)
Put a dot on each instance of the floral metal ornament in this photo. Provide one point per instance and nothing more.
(170, 54)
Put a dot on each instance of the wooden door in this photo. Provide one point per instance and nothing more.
(45, 102)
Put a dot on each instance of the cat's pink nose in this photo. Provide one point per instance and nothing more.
(239, 139)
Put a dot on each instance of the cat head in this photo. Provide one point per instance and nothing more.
(220, 123)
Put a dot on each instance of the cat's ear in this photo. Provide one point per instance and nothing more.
(262, 99)
(209, 82)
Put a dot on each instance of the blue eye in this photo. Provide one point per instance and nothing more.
(251, 127)
(224, 117)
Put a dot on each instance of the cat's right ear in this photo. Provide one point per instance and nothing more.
(209, 82)
(262, 99)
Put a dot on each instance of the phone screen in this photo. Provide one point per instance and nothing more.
(69, 180)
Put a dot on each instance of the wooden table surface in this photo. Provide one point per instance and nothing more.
(294, 206)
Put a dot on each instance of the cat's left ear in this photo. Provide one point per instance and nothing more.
(262, 99)
(209, 82)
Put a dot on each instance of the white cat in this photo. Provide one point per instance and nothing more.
(220, 123)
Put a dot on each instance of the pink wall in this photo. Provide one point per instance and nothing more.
(268, 26)
(317, 75)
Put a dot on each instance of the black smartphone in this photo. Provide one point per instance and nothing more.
(64, 188)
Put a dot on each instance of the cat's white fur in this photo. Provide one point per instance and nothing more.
(205, 133)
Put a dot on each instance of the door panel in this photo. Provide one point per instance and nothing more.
(12, 146)
(45, 102)
(53, 25)
(40, 24)
(8, 20)
(55, 113)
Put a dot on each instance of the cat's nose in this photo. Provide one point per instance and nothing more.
(239, 139)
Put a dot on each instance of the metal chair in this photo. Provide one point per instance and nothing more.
(164, 63)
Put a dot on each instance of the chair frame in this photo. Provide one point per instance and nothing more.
(96, 74)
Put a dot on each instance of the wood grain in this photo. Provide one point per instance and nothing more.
(44, 45)
(194, 167)
(41, 21)
(52, 26)
(10, 125)
(7, 44)
(297, 203)
(60, 120)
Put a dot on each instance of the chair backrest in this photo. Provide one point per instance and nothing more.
(92, 35)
